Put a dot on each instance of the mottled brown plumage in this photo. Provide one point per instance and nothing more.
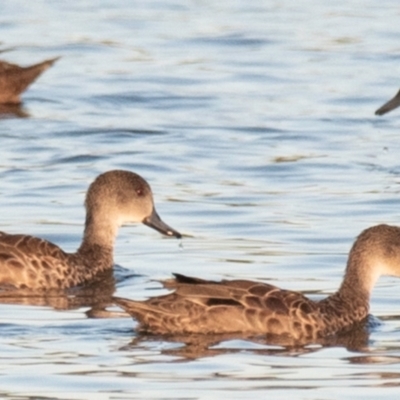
(15, 79)
(206, 307)
(390, 105)
(113, 199)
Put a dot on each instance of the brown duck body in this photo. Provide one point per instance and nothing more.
(114, 198)
(199, 306)
(14, 79)
(241, 306)
(30, 262)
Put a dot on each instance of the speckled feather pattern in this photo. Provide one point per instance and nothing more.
(30, 262)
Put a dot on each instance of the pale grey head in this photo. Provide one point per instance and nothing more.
(119, 197)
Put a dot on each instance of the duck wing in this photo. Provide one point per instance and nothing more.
(200, 306)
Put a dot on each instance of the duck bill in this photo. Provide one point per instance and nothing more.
(155, 222)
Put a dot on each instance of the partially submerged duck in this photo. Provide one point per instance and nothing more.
(113, 199)
(390, 105)
(206, 307)
(14, 79)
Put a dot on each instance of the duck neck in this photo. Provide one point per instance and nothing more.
(351, 301)
(375, 252)
(98, 241)
(362, 272)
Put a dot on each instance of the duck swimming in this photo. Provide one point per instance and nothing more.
(15, 79)
(247, 307)
(113, 199)
(390, 105)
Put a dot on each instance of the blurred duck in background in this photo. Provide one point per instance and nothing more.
(14, 79)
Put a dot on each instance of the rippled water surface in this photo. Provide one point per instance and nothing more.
(254, 123)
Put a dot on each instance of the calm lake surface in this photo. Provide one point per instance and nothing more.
(254, 123)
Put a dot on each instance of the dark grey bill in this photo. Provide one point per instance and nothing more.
(390, 105)
(155, 222)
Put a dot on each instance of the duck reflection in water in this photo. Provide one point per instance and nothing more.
(194, 346)
(12, 111)
(284, 317)
(96, 295)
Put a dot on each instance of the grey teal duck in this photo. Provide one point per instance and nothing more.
(113, 199)
(199, 306)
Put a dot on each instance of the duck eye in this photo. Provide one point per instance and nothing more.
(139, 192)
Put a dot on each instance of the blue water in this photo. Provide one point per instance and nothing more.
(255, 126)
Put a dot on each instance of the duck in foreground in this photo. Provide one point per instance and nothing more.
(113, 199)
(15, 79)
(390, 105)
(246, 307)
